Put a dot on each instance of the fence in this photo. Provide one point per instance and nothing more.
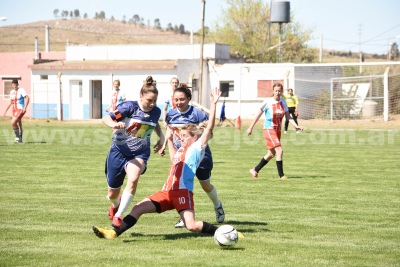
(351, 93)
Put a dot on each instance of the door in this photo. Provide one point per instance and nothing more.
(76, 107)
(96, 99)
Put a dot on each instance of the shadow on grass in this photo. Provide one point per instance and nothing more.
(186, 234)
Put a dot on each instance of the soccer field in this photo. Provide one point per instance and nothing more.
(339, 207)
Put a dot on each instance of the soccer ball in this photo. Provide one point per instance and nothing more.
(226, 236)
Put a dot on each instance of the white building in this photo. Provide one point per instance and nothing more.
(80, 87)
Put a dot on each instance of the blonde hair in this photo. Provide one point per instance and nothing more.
(195, 130)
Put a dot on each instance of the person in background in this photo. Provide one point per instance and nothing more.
(292, 102)
(176, 118)
(274, 108)
(177, 192)
(19, 101)
(117, 96)
(169, 103)
(133, 123)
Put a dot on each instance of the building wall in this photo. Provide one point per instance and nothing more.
(46, 93)
(147, 52)
(15, 65)
(243, 101)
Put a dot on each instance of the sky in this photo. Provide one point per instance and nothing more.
(347, 25)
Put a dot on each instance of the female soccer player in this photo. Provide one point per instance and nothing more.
(274, 108)
(177, 192)
(175, 119)
(133, 123)
(117, 96)
(19, 101)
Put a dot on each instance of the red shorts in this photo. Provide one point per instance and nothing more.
(272, 138)
(178, 199)
(18, 113)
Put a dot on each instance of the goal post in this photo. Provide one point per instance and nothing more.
(358, 97)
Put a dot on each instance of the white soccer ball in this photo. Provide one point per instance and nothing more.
(226, 236)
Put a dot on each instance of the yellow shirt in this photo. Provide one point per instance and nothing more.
(291, 100)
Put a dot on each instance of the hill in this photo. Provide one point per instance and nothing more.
(21, 38)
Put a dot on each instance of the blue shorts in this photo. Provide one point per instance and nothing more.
(115, 166)
(203, 174)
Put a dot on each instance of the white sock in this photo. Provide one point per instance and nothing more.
(126, 200)
(114, 201)
(214, 197)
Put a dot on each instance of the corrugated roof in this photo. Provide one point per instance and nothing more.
(107, 65)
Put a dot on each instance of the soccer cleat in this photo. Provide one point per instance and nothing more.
(112, 210)
(116, 222)
(283, 178)
(104, 232)
(240, 235)
(180, 224)
(285, 132)
(219, 214)
(17, 140)
(254, 173)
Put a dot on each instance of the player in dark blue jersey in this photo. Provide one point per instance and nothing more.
(175, 119)
(133, 123)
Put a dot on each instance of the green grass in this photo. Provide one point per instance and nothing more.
(340, 207)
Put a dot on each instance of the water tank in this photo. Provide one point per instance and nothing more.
(280, 11)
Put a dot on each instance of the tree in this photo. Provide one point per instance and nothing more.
(76, 13)
(136, 18)
(157, 24)
(64, 14)
(169, 27)
(244, 25)
(123, 19)
(71, 14)
(181, 29)
(85, 16)
(102, 15)
(55, 12)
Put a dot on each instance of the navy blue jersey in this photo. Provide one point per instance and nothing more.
(139, 125)
(177, 119)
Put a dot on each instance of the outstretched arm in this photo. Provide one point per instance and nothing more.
(207, 134)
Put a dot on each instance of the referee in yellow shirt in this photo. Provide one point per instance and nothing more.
(292, 101)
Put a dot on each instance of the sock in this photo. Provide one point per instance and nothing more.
(114, 201)
(260, 165)
(20, 136)
(16, 132)
(128, 222)
(214, 197)
(208, 228)
(279, 166)
(126, 200)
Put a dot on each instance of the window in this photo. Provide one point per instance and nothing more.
(194, 85)
(7, 89)
(44, 77)
(226, 87)
(264, 87)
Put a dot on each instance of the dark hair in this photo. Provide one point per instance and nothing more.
(14, 81)
(149, 87)
(183, 88)
(277, 85)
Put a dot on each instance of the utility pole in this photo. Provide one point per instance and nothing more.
(201, 53)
